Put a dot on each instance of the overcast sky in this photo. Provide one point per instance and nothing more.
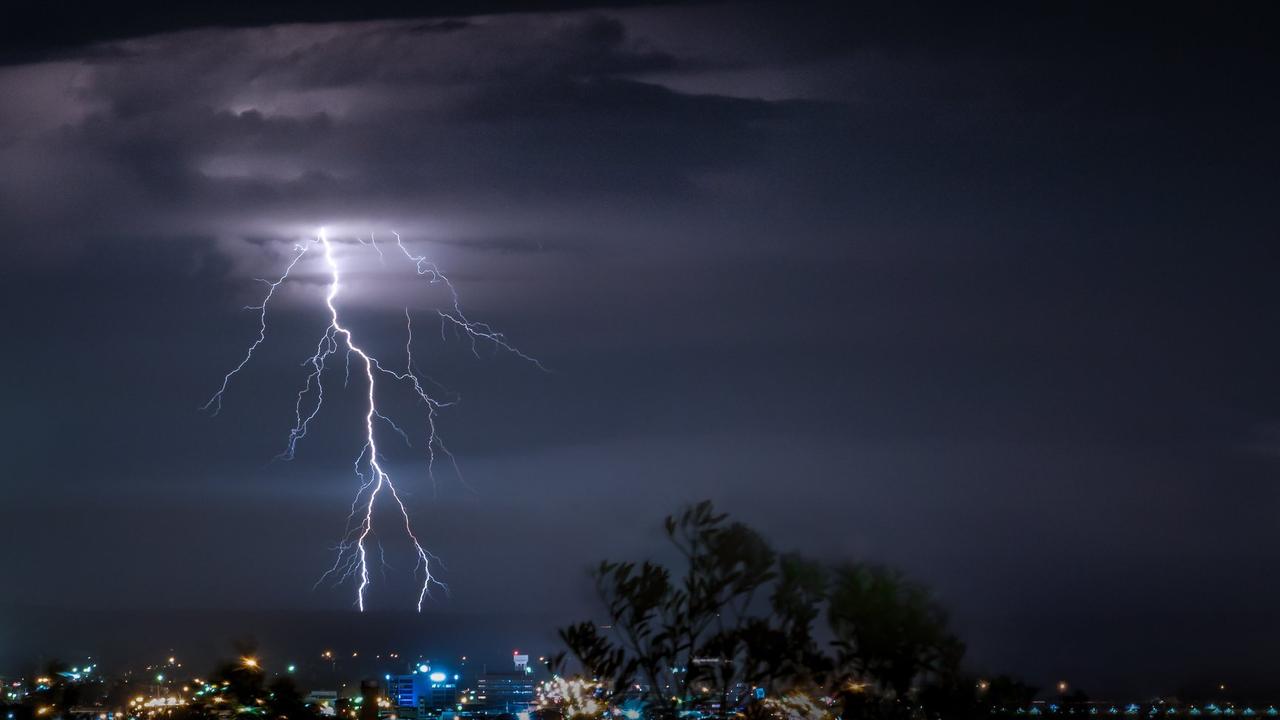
(990, 297)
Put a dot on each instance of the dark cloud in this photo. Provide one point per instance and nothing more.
(39, 30)
(521, 246)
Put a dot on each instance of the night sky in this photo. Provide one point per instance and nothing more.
(986, 294)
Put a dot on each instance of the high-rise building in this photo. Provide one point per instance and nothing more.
(370, 693)
(439, 693)
(511, 692)
(403, 691)
(427, 691)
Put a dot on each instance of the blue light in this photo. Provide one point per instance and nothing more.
(424, 668)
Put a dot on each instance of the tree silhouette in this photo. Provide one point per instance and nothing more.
(696, 638)
(285, 701)
(890, 635)
(241, 688)
(1004, 694)
(735, 624)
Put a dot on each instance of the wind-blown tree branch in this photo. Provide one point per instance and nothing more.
(891, 635)
(782, 651)
(738, 617)
(728, 565)
(674, 637)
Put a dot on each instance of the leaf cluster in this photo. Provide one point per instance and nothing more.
(736, 622)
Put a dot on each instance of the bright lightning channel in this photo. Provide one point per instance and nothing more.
(353, 554)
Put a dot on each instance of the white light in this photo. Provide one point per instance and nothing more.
(376, 483)
(437, 677)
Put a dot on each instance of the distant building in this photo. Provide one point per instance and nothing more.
(439, 693)
(403, 690)
(326, 700)
(427, 692)
(370, 693)
(502, 693)
(506, 693)
(323, 697)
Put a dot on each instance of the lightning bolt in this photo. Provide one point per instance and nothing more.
(352, 552)
(215, 402)
(477, 331)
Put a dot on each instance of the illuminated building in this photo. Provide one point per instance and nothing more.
(403, 691)
(507, 693)
(427, 690)
(326, 702)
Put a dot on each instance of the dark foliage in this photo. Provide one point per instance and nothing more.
(736, 623)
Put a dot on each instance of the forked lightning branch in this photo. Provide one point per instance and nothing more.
(353, 551)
